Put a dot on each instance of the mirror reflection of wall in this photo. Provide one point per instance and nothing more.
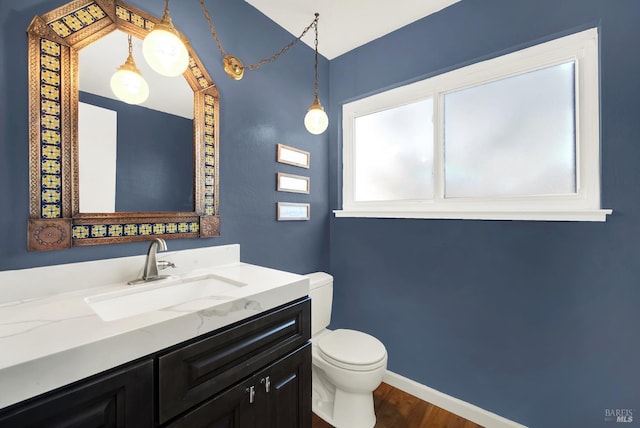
(154, 151)
(97, 150)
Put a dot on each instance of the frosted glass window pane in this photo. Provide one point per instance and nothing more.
(394, 153)
(512, 137)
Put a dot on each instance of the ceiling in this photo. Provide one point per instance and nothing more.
(346, 24)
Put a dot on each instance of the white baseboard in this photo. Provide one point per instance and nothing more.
(457, 407)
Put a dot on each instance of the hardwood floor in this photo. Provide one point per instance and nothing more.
(397, 409)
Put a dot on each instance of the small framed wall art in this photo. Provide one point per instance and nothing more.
(287, 211)
(292, 183)
(293, 156)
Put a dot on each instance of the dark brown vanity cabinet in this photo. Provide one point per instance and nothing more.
(244, 376)
(277, 397)
(255, 373)
(119, 398)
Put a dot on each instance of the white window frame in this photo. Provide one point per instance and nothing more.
(584, 205)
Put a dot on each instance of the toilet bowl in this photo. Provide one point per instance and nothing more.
(348, 365)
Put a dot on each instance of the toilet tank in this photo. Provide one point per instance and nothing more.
(321, 293)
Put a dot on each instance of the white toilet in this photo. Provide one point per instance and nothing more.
(347, 364)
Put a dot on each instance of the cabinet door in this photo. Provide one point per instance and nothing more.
(287, 387)
(230, 409)
(121, 398)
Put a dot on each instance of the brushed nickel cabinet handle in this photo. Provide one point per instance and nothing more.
(267, 383)
(252, 393)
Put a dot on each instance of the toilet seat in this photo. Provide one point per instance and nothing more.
(352, 350)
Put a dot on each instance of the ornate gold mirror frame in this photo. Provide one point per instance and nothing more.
(55, 221)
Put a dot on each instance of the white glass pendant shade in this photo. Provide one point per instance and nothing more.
(164, 51)
(128, 84)
(316, 120)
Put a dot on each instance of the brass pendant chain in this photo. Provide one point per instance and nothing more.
(315, 64)
(233, 66)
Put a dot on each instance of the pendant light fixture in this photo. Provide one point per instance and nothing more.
(316, 120)
(127, 83)
(163, 49)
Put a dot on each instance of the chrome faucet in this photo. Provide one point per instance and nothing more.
(152, 264)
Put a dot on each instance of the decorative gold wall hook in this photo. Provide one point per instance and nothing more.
(233, 67)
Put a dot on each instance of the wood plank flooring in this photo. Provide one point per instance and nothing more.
(397, 409)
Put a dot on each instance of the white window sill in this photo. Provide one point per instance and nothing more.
(576, 215)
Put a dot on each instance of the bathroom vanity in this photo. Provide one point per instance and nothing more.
(240, 358)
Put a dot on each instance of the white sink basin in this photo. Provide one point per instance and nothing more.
(160, 294)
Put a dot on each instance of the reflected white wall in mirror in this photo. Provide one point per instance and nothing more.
(97, 150)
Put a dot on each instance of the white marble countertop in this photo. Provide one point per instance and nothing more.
(54, 339)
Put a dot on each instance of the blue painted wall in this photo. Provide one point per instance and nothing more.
(265, 108)
(535, 321)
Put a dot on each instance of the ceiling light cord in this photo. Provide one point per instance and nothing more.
(166, 8)
(315, 65)
(214, 33)
(314, 23)
(130, 45)
(258, 64)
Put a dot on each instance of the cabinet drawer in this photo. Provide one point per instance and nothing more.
(193, 373)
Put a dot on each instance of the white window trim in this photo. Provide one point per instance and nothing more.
(580, 47)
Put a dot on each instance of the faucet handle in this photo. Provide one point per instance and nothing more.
(164, 264)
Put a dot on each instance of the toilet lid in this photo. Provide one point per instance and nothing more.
(352, 348)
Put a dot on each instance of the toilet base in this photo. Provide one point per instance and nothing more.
(360, 415)
(323, 397)
(339, 408)
(353, 410)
